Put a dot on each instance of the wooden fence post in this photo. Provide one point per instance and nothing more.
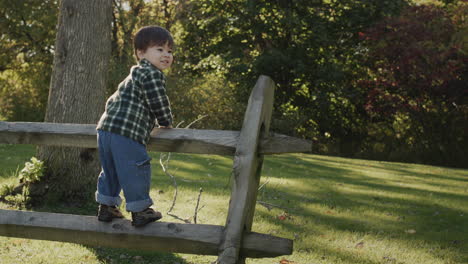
(246, 171)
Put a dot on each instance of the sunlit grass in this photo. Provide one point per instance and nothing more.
(337, 210)
(12, 159)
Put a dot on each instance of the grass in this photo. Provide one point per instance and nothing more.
(337, 210)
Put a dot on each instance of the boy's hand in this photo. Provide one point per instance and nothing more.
(155, 130)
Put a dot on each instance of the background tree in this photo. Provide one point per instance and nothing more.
(315, 50)
(309, 48)
(417, 91)
(26, 46)
(77, 95)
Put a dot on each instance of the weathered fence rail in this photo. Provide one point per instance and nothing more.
(159, 236)
(197, 141)
(233, 243)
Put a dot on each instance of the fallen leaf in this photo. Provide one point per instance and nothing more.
(359, 245)
(410, 231)
(283, 216)
(285, 261)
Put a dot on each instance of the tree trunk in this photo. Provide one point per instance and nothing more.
(77, 95)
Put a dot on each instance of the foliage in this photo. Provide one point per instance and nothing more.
(32, 171)
(417, 88)
(6, 189)
(323, 67)
(307, 47)
(207, 95)
(26, 48)
(19, 195)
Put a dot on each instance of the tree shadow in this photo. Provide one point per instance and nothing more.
(404, 207)
(336, 186)
(128, 256)
(327, 188)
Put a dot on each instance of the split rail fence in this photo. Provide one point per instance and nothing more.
(233, 243)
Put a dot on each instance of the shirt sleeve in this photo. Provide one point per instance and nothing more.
(154, 87)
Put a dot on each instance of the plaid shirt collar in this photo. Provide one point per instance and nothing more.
(146, 63)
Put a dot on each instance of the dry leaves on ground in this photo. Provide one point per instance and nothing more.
(283, 216)
(359, 245)
(285, 261)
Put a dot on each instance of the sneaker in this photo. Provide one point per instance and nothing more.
(144, 217)
(107, 213)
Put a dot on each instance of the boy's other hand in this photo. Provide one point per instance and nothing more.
(155, 130)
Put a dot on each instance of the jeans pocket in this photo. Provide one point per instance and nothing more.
(144, 168)
(145, 162)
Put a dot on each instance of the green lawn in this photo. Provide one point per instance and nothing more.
(336, 210)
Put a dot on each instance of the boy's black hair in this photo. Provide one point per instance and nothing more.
(150, 36)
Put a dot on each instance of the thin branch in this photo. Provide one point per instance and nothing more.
(180, 123)
(269, 206)
(265, 183)
(166, 171)
(185, 180)
(196, 120)
(196, 207)
(178, 218)
(165, 167)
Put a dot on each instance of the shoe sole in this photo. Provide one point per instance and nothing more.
(144, 222)
(102, 219)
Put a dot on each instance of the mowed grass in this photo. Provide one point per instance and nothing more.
(337, 210)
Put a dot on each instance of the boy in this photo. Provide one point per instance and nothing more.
(124, 129)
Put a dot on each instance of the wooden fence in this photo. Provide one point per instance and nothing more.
(233, 243)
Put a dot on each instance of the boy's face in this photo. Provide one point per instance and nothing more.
(159, 56)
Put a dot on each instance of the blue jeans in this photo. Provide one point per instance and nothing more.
(125, 166)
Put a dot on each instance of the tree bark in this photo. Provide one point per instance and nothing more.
(77, 95)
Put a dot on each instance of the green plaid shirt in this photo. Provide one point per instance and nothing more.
(139, 102)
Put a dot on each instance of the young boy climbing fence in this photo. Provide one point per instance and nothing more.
(139, 104)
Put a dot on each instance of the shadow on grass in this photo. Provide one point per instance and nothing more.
(354, 196)
(126, 256)
(327, 193)
(439, 216)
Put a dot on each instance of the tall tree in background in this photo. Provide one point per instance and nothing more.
(77, 95)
